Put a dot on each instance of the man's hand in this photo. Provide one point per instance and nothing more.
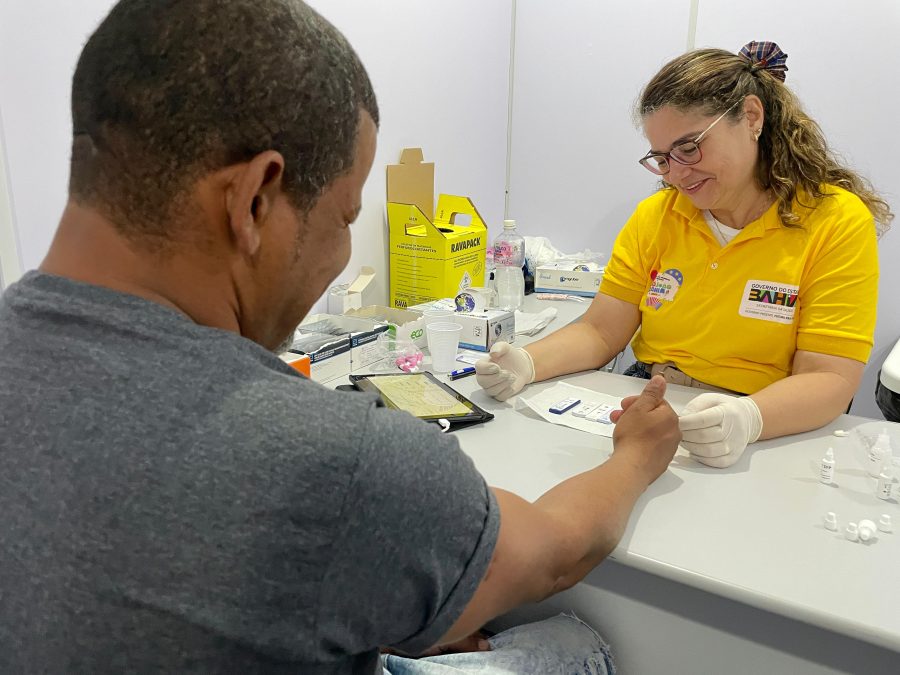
(476, 642)
(718, 427)
(647, 429)
(505, 372)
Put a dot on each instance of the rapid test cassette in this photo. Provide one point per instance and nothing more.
(600, 414)
(560, 407)
(585, 409)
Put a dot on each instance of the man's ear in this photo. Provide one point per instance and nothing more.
(250, 198)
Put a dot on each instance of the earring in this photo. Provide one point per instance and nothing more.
(757, 134)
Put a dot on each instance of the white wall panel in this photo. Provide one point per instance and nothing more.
(10, 262)
(39, 45)
(441, 74)
(579, 66)
(440, 71)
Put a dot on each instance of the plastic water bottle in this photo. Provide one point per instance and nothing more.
(509, 256)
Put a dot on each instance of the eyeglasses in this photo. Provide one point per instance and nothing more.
(686, 153)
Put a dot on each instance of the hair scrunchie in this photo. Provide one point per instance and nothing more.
(765, 56)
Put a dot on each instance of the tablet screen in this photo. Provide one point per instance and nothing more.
(419, 394)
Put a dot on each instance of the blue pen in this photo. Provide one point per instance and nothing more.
(462, 372)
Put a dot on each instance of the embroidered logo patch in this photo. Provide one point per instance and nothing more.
(769, 301)
(663, 287)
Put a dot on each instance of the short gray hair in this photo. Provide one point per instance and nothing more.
(167, 90)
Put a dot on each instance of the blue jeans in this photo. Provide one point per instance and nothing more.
(563, 645)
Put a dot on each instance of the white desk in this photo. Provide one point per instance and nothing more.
(719, 570)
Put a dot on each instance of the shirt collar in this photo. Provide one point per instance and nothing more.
(685, 208)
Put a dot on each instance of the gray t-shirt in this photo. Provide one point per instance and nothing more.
(175, 498)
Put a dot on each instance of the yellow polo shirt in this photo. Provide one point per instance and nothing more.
(733, 316)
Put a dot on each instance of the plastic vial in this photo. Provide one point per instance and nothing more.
(852, 532)
(831, 521)
(879, 454)
(866, 530)
(826, 470)
(885, 483)
(509, 256)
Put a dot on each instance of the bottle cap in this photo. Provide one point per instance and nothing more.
(829, 453)
(851, 532)
(866, 530)
(831, 521)
(884, 523)
(509, 224)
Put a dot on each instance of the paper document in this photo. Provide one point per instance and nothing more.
(419, 396)
(543, 401)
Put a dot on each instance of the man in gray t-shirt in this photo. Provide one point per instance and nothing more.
(174, 497)
(173, 484)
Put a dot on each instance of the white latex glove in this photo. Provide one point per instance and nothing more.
(716, 428)
(505, 372)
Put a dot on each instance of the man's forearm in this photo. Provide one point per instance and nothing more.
(591, 511)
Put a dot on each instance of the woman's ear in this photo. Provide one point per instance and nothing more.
(755, 114)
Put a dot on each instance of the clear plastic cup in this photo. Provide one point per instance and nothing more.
(436, 315)
(443, 343)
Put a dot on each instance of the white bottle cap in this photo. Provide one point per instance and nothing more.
(884, 523)
(866, 530)
(509, 224)
(829, 453)
(831, 521)
(852, 532)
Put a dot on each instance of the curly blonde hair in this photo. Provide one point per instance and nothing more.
(793, 152)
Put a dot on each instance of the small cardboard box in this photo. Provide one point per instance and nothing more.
(329, 355)
(431, 256)
(362, 332)
(567, 278)
(299, 362)
(480, 331)
(403, 324)
(350, 296)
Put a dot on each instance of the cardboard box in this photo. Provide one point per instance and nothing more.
(403, 324)
(362, 332)
(567, 278)
(350, 296)
(329, 355)
(299, 362)
(480, 331)
(431, 256)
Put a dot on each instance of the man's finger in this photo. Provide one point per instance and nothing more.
(628, 401)
(653, 394)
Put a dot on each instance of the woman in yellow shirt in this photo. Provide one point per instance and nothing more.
(753, 272)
